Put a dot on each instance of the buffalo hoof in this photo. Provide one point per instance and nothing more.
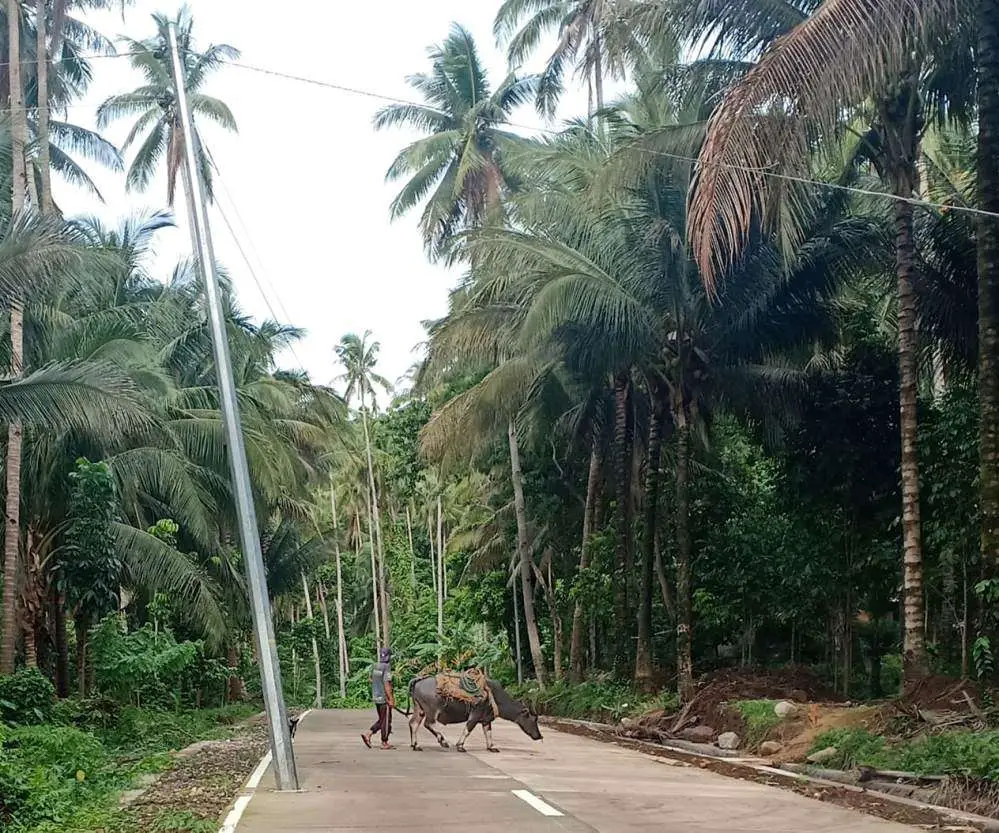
(459, 748)
(445, 745)
(493, 749)
(417, 748)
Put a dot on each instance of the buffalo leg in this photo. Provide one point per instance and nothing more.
(429, 726)
(414, 727)
(473, 721)
(487, 730)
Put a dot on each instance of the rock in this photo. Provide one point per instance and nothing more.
(770, 747)
(627, 723)
(799, 696)
(785, 708)
(698, 734)
(729, 740)
(823, 755)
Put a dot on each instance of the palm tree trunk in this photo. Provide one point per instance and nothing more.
(18, 115)
(12, 527)
(433, 548)
(440, 580)
(61, 643)
(622, 621)
(526, 562)
(315, 644)
(643, 650)
(987, 59)
(46, 205)
(684, 614)
(914, 645)
(237, 688)
(516, 636)
(592, 492)
(412, 549)
(598, 77)
(375, 509)
(12, 515)
(341, 639)
(376, 602)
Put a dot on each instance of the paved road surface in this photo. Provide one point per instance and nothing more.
(594, 786)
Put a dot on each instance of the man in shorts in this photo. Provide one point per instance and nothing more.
(384, 699)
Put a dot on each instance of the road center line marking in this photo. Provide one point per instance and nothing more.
(530, 798)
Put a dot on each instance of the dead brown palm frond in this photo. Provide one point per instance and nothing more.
(792, 100)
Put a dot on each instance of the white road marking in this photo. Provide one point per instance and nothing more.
(241, 803)
(539, 805)
(231, 820)
(258, 773)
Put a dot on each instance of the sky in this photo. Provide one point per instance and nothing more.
(303, 181)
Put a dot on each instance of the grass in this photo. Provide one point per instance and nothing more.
(760, 719)
(62, 778)
(600, 700)
(970, 754)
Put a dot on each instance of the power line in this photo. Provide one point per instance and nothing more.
(256, 279)
(915, 201)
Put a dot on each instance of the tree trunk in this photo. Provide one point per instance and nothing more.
(684, 614)
(82, 625)
(643, 649)
(914, 642)
(315, 644)
(18, 115)
(667, 593)
(987, 59)
(412, 549)
(516, 636)
(375, 601)
(341, 639)
(592, 493)
(622, 472)
(440, 579)
(376, 511)
(237, 687)
(61, 642)
(46, 204)
(524, 557)
(12, 527)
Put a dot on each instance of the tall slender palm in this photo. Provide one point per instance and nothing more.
(458, 168)
(592, 34)
(987, 59)
(154, 104)
(897, 81)
(359, 356)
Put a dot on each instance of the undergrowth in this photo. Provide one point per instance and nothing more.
(969, 754)
(759, 717)
(598, 700)
(56, 778)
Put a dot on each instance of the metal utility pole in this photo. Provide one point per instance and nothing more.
(263, 627)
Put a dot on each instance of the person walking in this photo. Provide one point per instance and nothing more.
(383, 697)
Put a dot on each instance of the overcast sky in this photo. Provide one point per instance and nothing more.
(303, 182)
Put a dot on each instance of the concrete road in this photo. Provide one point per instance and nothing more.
(564, 783)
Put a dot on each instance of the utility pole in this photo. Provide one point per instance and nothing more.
(263, 626)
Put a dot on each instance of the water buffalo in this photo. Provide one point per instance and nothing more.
(430, 708)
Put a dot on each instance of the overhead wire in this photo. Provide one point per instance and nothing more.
(693, 160)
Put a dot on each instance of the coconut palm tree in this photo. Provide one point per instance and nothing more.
(458, 168)
(896, 83)
(594, 35)
(359, 357)
(154, 106)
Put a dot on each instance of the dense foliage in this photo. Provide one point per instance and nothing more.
(718, 385)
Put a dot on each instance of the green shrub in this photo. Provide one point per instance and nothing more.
(26, 697)
(48, 771)
(972, 754)
(760, 719)
(601, 700)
